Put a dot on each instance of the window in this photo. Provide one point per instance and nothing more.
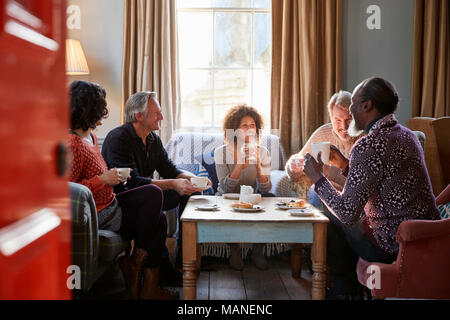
(225, 59)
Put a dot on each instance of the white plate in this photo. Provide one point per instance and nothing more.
(301, 212)
(231, 196)
(285, 207)
(255, 208)
(208, 207)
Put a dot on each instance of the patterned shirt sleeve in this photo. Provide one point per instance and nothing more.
(363, 179)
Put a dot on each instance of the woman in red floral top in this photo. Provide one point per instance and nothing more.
(136, 214)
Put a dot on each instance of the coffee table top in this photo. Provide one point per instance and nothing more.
(271, 212)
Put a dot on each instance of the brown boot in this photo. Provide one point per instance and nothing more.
(132, 267)
(151, 289)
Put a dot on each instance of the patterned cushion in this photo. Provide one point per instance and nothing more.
(444, 210)
(200, 171)
(206, 161)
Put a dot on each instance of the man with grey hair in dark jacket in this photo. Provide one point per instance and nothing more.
(135, 145)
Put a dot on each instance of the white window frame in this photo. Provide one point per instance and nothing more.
(252, 11)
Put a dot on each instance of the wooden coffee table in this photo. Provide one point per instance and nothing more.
(270, 226)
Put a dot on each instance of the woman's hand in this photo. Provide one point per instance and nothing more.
(337, 159)
(111, 177)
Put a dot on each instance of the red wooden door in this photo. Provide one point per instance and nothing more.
(34, 119)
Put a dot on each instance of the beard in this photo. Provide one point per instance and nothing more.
(354, 130)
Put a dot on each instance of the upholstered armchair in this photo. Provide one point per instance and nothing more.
(93, 250)
(422, 265)
(437, 148)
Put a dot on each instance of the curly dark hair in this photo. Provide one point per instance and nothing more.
(87, 104)
(234, 116)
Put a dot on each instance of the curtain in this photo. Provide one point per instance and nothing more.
(150, 57)
(306, 66)
(431, 69)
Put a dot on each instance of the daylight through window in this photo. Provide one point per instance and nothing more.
(225, 59)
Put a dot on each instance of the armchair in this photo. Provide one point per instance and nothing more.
(93, 250)
(423, 261)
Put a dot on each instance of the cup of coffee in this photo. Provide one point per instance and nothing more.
(323, 148)
(199, 182)
(124, 173)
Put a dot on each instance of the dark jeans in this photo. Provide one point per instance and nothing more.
(345, 244)
(173, 200)
(144, 221)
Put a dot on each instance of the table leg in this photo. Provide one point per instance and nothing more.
(296, 260)
(189, 260)
(319, 251)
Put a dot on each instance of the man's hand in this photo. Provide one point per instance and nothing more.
(312, 168)
(184, 187)
(337, 159)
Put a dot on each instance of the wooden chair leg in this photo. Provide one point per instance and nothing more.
(296, 260)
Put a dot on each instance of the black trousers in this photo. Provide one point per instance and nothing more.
(345, 244)
(173, 200)
(144, 221)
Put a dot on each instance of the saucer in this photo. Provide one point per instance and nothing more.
(208, 207)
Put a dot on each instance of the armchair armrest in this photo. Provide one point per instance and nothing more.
(85, 237)
(388, 279)
(413, 230)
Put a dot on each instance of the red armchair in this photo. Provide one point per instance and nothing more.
(422, 269)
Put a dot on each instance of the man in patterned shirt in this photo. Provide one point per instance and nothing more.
(387, 183)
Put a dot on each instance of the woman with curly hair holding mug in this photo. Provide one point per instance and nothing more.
(243, 161)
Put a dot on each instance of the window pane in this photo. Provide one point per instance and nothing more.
(232, 87)
(232, 39)
(194, 3)
(265, 4)
(261, 94)
(232, 3)
(196, 98)
(263, 40)
(195, 39)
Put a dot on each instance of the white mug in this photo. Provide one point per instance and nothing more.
(199, 182)
(124, 172)
(246, 191)
(324, 148)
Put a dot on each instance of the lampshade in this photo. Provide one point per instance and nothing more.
(75, 61)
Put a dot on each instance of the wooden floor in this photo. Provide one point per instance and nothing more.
(220, 282)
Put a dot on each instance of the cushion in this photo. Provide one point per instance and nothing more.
(208, 163)
(444, 210)
(200, 171)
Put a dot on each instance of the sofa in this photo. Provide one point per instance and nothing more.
(193, 152)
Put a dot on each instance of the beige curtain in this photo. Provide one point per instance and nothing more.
(306, 66)
(431, 69)
(150, 57)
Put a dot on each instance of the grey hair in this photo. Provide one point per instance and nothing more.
(342, 98)
(137, 103)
